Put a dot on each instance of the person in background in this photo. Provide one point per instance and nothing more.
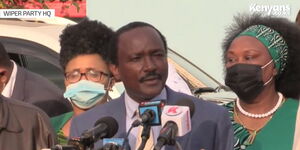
(21, 84)
(175, 81)
(262, 56)
(139, 58)
(297, 131)
(23, 126)
(83, 54)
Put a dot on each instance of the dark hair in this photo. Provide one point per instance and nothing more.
(113, 54)
(4, 58)
(288, 82)
(86, 37)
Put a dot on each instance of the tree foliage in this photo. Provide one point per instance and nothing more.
(42, 4)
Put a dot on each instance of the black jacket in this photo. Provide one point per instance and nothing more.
(24, 126)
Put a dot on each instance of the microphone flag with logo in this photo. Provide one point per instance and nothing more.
(176, 121)
(150, 112)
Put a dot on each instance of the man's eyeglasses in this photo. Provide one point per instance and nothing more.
(91, 75)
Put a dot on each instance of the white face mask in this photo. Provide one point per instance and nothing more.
(85, 94)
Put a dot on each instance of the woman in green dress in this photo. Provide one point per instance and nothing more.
(83, 56)
(262, 60)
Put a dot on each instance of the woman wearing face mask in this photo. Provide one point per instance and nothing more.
(87, 78)
(262, 57)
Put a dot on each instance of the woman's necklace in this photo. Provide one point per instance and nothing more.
(260, 115)
(252, 132)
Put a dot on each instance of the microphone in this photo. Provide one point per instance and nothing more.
(176, 121)
(150, 113)
(144, 136)
(150, 116)
(105, 127)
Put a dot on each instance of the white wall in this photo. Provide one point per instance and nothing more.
(194, 28)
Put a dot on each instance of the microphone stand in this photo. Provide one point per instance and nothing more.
(167, 136)
(178, 146)
(145, 136)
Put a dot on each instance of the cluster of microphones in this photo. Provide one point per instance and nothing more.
(174, 119)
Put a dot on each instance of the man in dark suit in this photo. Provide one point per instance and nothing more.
(21, 84)
(139, 59)
(24, 126)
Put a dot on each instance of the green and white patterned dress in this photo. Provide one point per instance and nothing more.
(277, 134)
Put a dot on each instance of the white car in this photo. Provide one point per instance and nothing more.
(35, 46)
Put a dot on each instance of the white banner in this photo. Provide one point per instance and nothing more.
(27, 13)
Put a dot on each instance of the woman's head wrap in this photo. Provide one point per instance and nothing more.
(273, 41)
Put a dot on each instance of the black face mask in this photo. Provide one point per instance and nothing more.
(245, 80)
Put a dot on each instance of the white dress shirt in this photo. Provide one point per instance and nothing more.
(131, 107)
(9, 87)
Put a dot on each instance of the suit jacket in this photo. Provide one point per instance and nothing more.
(211, 127)
(23, 126)
(35, 89)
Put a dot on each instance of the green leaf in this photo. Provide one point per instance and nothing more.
(12, 1)
(76, 5)
(45, 6)
(4, 5)
(41, 1)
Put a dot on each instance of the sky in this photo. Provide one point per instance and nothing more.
(193, 28)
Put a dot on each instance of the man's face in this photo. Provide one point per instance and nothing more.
(142, 63)
(3, 78)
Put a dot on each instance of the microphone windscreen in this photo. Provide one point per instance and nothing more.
(111, 123)
(156, 107)
(187, 102)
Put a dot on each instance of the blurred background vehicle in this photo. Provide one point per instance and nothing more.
(34, 44)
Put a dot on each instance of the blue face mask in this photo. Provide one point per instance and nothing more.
(85, 94)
